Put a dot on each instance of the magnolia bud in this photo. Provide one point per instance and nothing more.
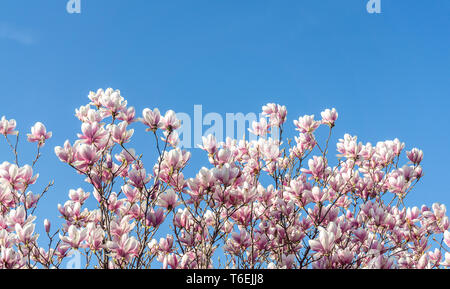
(47, 225)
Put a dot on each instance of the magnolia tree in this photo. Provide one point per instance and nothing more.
(266, 203)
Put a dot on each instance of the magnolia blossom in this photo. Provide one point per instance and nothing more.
(7, 126)
(112, 101)
(277, 114)
(415, 155)
(120, 134)
(325, 242)
(260, 128)
(124, 248)
(329, 117)
(25, 233)
(263, 203)
(152, 118)
(39, 134)
(168, 200)
(170, 122)
(306, 124)
(209, 144)
(75, 237)
(17, 177)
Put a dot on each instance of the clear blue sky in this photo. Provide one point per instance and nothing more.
(387, 74)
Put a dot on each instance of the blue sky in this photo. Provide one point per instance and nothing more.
(387, 74)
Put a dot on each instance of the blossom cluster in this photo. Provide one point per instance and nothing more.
(264, 203)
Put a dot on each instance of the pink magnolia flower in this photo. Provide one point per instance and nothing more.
(124, 248)
(329, 117)
(126, 156)
(209, 144)
(17, 216)
(131, 193)
(171, 138)
(415, 156)
(439, 210)
(86, 155)
(123, 226)
(65, 154)
(447, 238)
(165, 244)
(26, 174)
(435, 256)
(226, 174)
(155, 218)
(317, 167)
(95, 97)
(25, 233)
(112, 101)
(152, 118)
(120, 134)
(412, 215)
(75, 237)
(7, 126)
(95, 237)
(7, 197)
(259, 128)
(396, 146)
(349, 147)
(277, 113)
(10, 259)
(242, 238)
(174, 159)
(70, 210)
(78, 195)
(446, 262)
(62, 250)
(10, 173)
(269, 109)
(271, 150)
(280, 117)
(172, 260)
(306, 124)
(287, 261)
(304, 142)
(325, 242)
(114, 204)
(381, 262)
(318, 195)
(398, 184)
(93, 133)
(82, 112)
(138, 178)
(223, 156)
(168, 199)
(170, 121)
(29, 199)
(128, 115)
(39, 134)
